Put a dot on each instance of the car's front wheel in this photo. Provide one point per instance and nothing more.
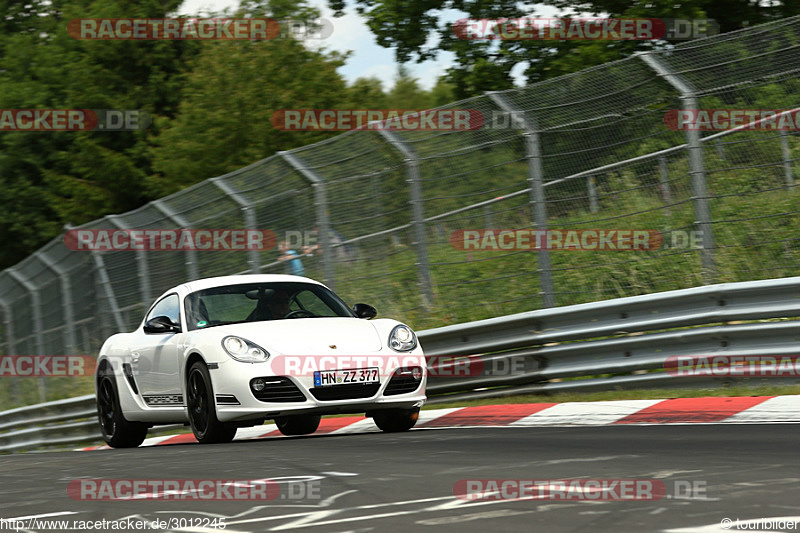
(117, 431)
(395, 420)
(206, 426)
(298, 424)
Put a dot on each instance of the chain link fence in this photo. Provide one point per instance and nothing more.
(588, 151)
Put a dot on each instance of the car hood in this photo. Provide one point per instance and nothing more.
(309, 336)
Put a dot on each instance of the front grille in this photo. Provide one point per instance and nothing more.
(278, 390)
(401, 384)
(351, 391)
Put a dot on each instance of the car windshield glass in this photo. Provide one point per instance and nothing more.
(256, 302)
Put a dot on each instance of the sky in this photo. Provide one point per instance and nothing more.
(351, 33)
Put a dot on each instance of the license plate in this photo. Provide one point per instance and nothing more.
(325, 378)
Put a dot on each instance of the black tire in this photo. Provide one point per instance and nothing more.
(117, 431)
(297, 424)
(395, 420)
(202, 409)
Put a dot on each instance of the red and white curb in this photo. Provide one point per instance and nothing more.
(710, 410)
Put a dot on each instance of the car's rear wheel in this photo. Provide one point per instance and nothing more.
(117, 431)
(298, 424)
(206, 426)
(395, 420)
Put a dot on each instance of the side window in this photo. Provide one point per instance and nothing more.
(167, 306)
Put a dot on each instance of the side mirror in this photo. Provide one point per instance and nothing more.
(161, 324)
(365, 311)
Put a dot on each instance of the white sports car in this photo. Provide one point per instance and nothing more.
(234, 351)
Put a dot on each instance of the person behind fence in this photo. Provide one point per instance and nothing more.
(295, 265)
(341, 252)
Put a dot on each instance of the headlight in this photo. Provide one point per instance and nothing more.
(402, 339)
(244, 351)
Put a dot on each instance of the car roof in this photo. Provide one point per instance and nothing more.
(222, 281)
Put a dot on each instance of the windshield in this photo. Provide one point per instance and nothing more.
(256, 302)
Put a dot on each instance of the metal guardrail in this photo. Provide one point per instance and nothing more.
(545, 351)
(63, 422)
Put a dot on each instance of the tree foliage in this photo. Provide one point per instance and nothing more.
(211, 101)
(484, 65)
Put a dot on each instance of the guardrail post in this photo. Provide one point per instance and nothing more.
(36, 309)
(537, 199)
(696, 165)
(323, 220)
(787, 160)
(191, 255)
(66, 300)
(417, 212)
(141, 264)
(249, 215)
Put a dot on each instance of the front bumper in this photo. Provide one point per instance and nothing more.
(237, 402)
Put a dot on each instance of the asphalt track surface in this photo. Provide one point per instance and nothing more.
(404, 482)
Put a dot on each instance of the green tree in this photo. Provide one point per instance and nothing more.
(367, 93)
(52, 178)
(483, 65)
(231, 94)
(407, 94)
(443, 93)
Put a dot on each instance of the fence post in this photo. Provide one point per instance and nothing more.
(10, 342)
(66, 300)
(249, 215)
(666, 194)
(323, 221)
(696, 165)
(417, 213)
(191, 255)
(487, 213)
(141, 264)
(537, 196)
(590, 184)
(100, 268)
(36, 305)
(787, 160)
